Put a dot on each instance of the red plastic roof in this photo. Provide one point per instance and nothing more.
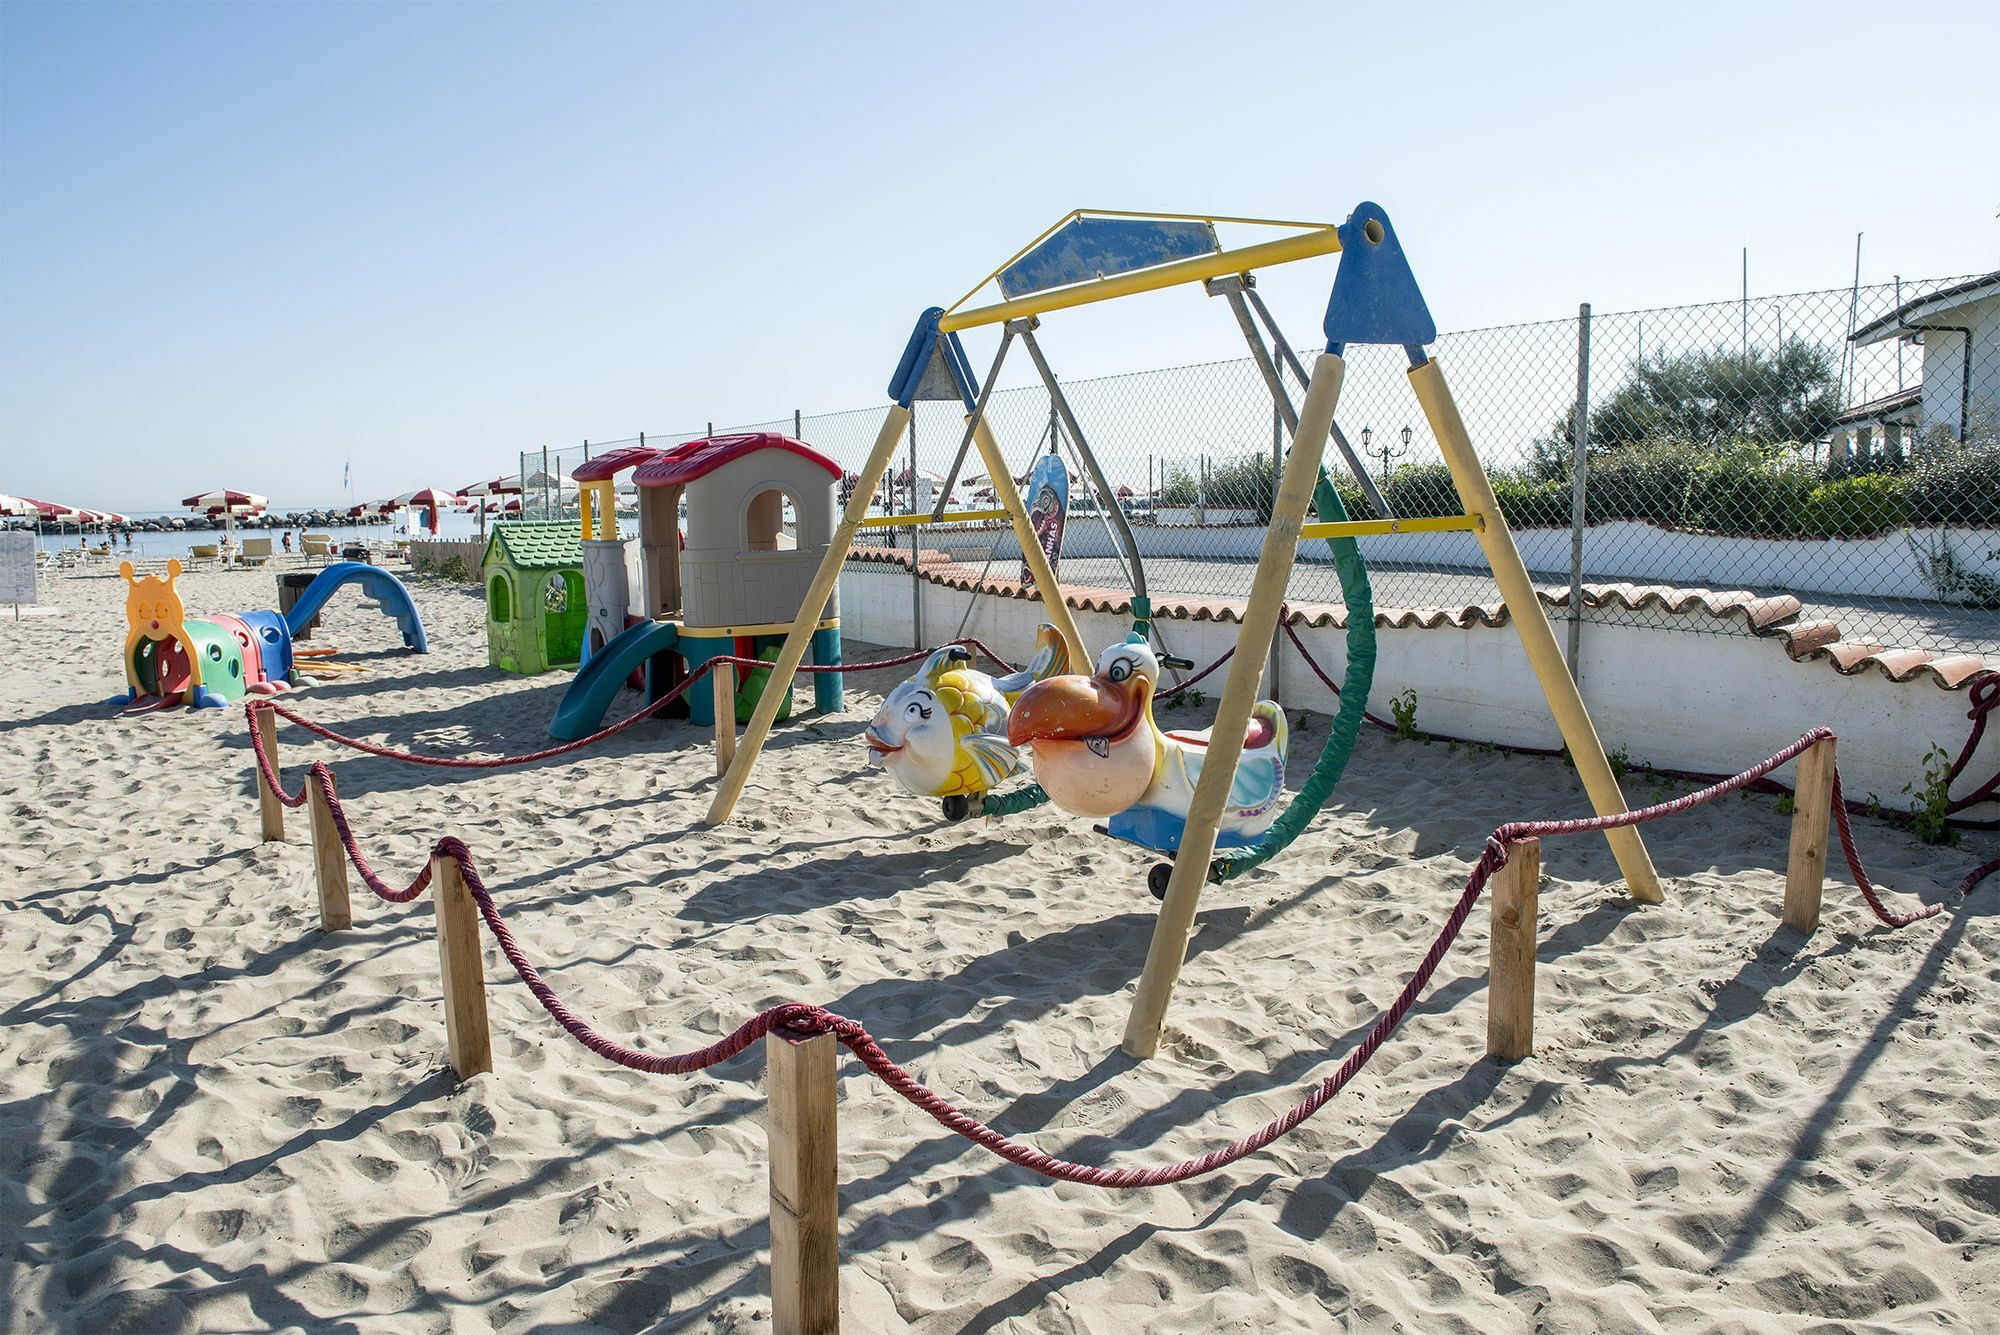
(687, 462)
(614, 462)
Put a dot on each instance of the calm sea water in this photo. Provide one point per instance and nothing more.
(178, 542)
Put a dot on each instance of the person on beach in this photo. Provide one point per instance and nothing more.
(287, 536)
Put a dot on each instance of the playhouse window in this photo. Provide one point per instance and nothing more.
(764, 522)
(499, 600)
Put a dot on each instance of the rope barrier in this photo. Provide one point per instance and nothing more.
(250, 708)
(804, 1019)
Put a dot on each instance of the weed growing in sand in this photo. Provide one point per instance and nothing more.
(1787, 804)
(1930, 808)
(1404, 709)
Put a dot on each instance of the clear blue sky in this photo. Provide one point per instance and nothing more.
(239, 243)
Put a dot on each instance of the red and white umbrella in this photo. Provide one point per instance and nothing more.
(429, 499)
(14, 505)
(228, 504)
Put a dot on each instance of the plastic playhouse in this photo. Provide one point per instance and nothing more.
(760, 516)
(535, 605)
(170, 659)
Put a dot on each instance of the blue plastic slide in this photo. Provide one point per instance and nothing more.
(387, 591)
(598, 681)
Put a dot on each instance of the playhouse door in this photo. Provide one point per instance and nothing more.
(565, 615)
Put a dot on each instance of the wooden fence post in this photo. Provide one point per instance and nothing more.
(268, 805)
(1812, 814)
(329, 863)
(1510, 983)
(722, 680)
(801, 1084)
(462, 969)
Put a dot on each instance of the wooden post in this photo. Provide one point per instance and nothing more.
(329, 863)
(268, 805)
(1168, 950)
(1531, 623)
(778, 686)
(463, 971)
(722, 678)
(1812, 815)
(800, 1081)
(1510, 980)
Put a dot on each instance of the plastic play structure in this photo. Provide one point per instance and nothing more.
(944, 732)
(733, 586)
(535, 606)
(171, 659)
(1091, 256)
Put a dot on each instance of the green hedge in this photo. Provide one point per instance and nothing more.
(1739, 488)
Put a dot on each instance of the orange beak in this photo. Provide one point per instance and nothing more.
(1073, 708)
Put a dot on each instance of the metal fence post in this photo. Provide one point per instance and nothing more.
(545, 482)
(1579, 481)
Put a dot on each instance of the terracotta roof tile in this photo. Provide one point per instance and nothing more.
(1768, 616)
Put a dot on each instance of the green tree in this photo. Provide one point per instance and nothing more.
(1710, 399)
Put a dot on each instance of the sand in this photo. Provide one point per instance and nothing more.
(216, 1118)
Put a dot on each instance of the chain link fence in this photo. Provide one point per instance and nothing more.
(1838, 448)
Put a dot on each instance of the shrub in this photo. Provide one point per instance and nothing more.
(1956, 484)
(1744, 489)
(1857, 507)
(1529, 504)
(1420, 490)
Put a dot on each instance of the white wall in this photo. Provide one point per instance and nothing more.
(1711, 703)
(1883, 567)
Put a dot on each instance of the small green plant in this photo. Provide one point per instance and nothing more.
(1787, 804)
(1930, 805)
(1874, 806)
(1403, 708)
(1621, 762)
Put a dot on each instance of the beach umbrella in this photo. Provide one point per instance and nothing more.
(228, 504)
(430, 499)
(14, 505)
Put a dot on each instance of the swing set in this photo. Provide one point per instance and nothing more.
(1091, 256)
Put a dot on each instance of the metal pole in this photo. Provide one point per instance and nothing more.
(1579, 478)
(1277, 471)
(798, 425)
(916, 551)
(545, 482)
(1290, 358)
(972, 422)
(1059, 404)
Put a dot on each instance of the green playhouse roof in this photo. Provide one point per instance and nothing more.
(537, 544)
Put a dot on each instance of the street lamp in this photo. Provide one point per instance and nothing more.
(1387, 454)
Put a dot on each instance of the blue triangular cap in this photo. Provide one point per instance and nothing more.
(1375, 296)
(933, 366)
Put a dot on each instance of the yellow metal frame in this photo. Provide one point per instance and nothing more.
(918, 520)
(1374, 528)
(1196, 269)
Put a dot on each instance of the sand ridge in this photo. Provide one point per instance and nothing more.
(217, 1119)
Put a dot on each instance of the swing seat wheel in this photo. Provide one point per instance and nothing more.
(957, 807)
(1157, 878)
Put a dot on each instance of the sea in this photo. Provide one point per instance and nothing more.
(178, 542)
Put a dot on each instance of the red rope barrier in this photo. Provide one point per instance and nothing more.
(250, 708)
(808, 1019)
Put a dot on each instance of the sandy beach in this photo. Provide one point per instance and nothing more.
(216, 1118)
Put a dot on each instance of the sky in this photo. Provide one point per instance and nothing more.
(243, 244)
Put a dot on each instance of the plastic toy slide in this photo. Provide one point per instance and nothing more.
(387, 591)
(598, 682)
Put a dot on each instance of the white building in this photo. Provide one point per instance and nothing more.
(1958, 328)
